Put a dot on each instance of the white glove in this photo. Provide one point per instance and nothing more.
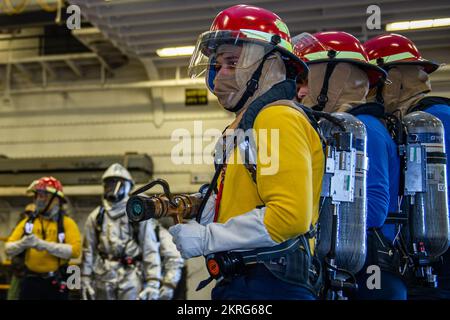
(17, 247)
(87, 288)
(150, 291)
(244, 232)
(29, 241)
(189, 238)
(60, 250)
(40, 244)
(166, 293)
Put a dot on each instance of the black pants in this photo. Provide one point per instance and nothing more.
(37, 288)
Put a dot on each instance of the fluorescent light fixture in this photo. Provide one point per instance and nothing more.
(175, 52)
(418, 24)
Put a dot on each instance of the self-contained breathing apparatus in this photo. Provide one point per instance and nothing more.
(341, 239)
(342, 220)
(422, 224)
(341, 234)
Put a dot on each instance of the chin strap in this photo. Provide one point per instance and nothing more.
(380, 84)
(322, 99)
(43, 212)
(379, 95)
(253, 83)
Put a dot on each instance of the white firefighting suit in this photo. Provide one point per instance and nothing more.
(123, 263)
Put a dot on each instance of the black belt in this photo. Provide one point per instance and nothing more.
(43, 275)
(225, 264)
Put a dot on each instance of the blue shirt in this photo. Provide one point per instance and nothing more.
(383, 175)
(442, 112)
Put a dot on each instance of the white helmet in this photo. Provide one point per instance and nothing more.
(117, 171)
(117, 183)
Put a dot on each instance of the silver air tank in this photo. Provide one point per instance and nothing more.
(426, 183)
(344, 194)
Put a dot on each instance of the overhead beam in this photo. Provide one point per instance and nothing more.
(73, 67)
(164, 29)
(48, 69)
(149, 35)
(150, 68)
(110, 86)
(26, 74)
(23, 70)
(113, 9)
(54, 57)
(322, 22)
(283, 9)
(107, 9)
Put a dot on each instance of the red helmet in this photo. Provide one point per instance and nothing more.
(49, 184)
(394, 49)
(338, 46)
(245, 24)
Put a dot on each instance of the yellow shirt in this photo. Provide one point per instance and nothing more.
(291, 194)
(42, 261)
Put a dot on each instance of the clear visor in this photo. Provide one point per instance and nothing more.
(112, 185)
(229, 50)
(306, 41)
(308, 47)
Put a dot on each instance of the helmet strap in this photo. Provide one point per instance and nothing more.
(322, 99)
(380, 83)
(379, 94)
(43, 212)
(252, 84)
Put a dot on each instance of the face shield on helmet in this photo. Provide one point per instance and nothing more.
(208, 57)
(311, 49)
(229, 60)
(116, 189)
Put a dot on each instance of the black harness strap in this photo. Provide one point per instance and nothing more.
(61, 231)
(284, 90)
(61, 234)
(158, 239)
(208, 193)
(29, 221)
(134, 226)
(322, 99)
(379, 93)
(99, 221)
(253, 83)
(48, 204)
